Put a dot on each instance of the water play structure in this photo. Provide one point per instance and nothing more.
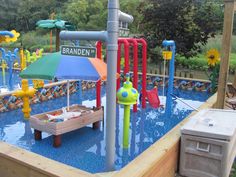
(169, 102)
(160, 160)
(127, 95)
(58, 122)
(153, 98)
(111, 38)
(32, 57)
(127, 43)
(8, 59)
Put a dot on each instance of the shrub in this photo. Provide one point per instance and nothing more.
(33, 40)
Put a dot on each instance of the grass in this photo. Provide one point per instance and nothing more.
(217, 42)
(199, 62)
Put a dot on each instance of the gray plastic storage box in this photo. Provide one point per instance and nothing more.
(208, 144)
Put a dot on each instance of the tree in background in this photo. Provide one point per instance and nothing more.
(189, 23)
(30, 11)
(86, 14)
(8, 14)
(131, 7)
(92, 14)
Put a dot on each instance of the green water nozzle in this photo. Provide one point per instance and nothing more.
(127, 95)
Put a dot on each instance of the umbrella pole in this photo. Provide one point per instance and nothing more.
(68, 95)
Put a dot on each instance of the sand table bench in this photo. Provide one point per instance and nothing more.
(60, 121)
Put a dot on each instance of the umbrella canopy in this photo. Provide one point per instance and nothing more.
(59, 24)
(66, 67)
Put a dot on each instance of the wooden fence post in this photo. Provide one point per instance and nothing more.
(225, 52)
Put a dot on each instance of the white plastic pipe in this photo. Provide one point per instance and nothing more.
(68, 95)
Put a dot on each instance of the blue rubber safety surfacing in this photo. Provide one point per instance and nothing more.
(85, 148)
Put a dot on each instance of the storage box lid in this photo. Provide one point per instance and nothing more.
(212, 123)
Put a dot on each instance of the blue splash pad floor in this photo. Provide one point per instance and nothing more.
(85, 148)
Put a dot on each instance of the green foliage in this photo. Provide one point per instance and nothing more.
(87, 14)
(30, 11)
(23, 14)
(32, 41)
(189, 23)
(199, 62)
(131, 7)
(8, 14)
(216, 43)
(92, 14)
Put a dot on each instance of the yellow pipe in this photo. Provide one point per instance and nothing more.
(22, 59)
(25, 94)
(4, 65)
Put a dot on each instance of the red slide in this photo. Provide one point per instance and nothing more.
(153, 98)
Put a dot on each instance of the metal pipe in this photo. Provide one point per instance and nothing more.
(112, 47)
(83, 35)
(124, 17)
(118, 65)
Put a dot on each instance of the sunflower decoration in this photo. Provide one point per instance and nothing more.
(14, 38)
(2, 39)
(213, 57)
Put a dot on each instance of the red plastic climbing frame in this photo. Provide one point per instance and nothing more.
(98, 85)
(127, 42)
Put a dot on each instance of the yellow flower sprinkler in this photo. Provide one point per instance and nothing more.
(213, 57)
(25, 93)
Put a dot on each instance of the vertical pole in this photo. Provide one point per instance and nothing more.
(226, 49)
(22, 59)
(118, 65)
(135, 109)
(57, 40)
(112, 47)
(80, 91)
(98, 85)
(144, 70)
(10, 63)
(126, 126)
(171, 77)
(135, 66)
(126, 46)
(51, 41)
(68, 95)
(4, 65)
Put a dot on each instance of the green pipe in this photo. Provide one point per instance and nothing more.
(126, 126)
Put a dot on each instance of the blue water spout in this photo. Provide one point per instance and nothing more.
(171, 44)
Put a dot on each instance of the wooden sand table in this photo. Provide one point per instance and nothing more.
(40, 122)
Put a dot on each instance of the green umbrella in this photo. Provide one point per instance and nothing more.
(44, 68)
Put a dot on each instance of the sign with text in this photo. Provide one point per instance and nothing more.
(79, 51)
